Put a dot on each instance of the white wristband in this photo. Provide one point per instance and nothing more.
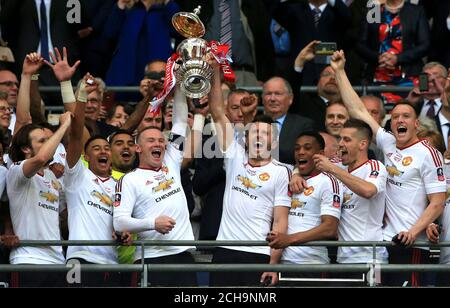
(199, 122)
(298, 69)
(82, 94)
(296, 171)
(152, 223)
(67, 92)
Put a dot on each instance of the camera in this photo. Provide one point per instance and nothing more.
(423, 82)
(155, 75)
(323, 52)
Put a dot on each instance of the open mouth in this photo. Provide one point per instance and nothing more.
(125, 155)
(401, 130)
(258, 145)
(103, 161)
(344, 152)
(156, 153)
(302, 162)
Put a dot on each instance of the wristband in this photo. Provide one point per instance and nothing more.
(82, 94)
(199, 122)
(296, 171)
(35, 77)
(152, 224)
(67, 92)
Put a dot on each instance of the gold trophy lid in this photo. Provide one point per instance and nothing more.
(189, 24)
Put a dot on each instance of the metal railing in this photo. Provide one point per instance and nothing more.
(371, 268)
(363, 90)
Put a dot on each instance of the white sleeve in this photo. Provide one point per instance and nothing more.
(384, 139)
(378, 176)
(16, 177)
(432, 172)
(124, 201)
(3, 172)
(282, 188)
(331, 199)
(73, 175)
(179, 113)
(60, 155)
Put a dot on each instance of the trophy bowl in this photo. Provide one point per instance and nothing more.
(194, 73)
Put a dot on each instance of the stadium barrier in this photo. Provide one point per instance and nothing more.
(371, 268)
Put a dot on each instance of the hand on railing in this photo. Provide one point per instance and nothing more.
(433, 232)
(10, 241)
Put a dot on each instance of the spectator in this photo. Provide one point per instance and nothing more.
(277, 98)
(306, 21)
(375, 107)
(335, 117)
(394, 47)
(10, 85)
(117, 115)
(144, 32)
(314, 104)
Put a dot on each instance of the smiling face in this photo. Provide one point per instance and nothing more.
(404, 125)
(305, 148)
(233, 108)
(10, 85)
(98, 155)
(335, 117)
(123, 152)
(5, 114)
(151, 148)
(276, 98)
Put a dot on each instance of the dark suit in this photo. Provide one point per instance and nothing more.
(297, 18)
(415, 39)
(314, 107)
(259, 23)
(23, 15)
(209, 183)
(440, 35)
(293, 125)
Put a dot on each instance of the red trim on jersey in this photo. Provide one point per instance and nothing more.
(434, 154)
(334, 182)
(405, 147)
(150, 168)
(105, 180)
(312, 174)
(350, 171)
(40, 174)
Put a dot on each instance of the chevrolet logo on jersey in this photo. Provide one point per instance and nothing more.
(105, 199)
(49, 196)
(295, 203)
(163, 185)
(393, 171)
(247, 183)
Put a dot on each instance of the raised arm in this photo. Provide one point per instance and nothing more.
(223, 126)
(75, 145)
(31, 65)
(32, 165)
(354, 104)
(64, 73)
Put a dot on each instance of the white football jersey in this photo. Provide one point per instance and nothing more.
(413, 173)
(251, 193)
(148, 194)
(90, 210)
(445, 221)
(3, 174)
(361, 218)
(34, 207)
(323, 196)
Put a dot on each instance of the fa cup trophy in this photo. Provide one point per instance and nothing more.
(194, 73)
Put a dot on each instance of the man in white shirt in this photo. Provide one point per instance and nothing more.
(89, 194)
(314, 213)
(363, 206)
(256, 194)
(416, 188)
(150, 200)
(33, 192)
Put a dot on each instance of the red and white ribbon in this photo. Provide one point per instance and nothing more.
(220, 53)
(169, 83)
